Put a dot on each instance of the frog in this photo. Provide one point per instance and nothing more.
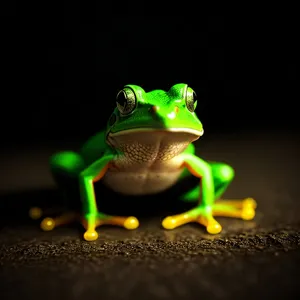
(147, 147)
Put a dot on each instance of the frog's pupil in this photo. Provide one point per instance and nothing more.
(122, 100)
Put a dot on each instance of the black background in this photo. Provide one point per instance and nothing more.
(62, 65)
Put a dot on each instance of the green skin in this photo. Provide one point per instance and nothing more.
(171, 114)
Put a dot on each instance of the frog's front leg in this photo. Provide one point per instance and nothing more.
(92, 217)
(68, 168)
(214, 179)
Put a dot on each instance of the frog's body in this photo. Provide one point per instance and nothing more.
(149, 162)
(145, 150)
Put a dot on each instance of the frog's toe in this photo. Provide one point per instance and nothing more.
(243, 209)
(48, 224)
(247, 213)
(126, 222)
(171, 222)
(90, 235)
(249, 202)
(212, 226)
(35, 213)
(197, 215)
(131, 223)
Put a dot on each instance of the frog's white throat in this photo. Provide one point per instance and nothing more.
(153, 144)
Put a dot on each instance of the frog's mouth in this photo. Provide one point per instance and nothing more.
(175, 139)
(197, 133)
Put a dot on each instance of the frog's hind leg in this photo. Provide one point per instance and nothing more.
(65, 167)
(243, 209)
(223, 175)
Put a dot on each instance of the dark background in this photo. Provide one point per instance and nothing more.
(62, 65)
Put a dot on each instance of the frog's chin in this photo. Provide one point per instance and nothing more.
(176, 138)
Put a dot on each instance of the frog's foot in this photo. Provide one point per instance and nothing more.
(244, 209)
(49, 224)
(91, 234)
(201, 215)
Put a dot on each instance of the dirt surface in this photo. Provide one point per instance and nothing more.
(249, 260)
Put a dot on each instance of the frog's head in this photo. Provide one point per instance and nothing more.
(149, 115)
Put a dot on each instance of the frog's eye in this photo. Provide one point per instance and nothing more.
(191, 99)
(126, 101)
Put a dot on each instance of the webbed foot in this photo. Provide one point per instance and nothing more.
(48, 224)
(90, 226)
(244, 209)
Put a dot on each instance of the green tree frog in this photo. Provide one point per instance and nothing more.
(147, 148)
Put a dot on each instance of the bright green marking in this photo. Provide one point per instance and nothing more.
(87, 186)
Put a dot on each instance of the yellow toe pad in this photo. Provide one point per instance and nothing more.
(35, 213)
(214, 228)
(131, 223)
(90, 236)
(169, 223)
(47, 224)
